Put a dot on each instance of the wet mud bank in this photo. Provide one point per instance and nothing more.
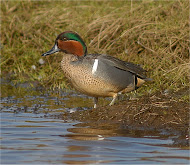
(156, 112)
(161, 114)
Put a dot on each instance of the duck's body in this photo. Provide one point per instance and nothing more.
(96, 75)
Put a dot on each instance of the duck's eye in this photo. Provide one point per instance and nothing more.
(64, 39)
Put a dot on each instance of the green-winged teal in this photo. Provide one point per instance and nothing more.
(96, 75)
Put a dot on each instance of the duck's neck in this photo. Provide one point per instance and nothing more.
(67, 58)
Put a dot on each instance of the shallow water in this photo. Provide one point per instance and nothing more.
(31, 133)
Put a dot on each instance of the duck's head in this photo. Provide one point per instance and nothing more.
(70, 43)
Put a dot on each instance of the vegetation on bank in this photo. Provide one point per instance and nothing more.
(152, 33)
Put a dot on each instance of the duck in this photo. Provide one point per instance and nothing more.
(96, 75)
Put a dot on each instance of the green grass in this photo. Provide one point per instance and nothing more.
(152, 33)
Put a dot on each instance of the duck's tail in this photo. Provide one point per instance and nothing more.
(140, 81)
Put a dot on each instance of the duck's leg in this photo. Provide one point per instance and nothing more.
(95, 102)
(113, 101)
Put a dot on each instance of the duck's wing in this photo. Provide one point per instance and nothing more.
(128, 66)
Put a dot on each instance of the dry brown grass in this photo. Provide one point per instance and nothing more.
(154, 34)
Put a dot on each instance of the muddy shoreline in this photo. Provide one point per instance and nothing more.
(163, 113)
(158, 111)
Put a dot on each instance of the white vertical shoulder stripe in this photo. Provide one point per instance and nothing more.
(95, 66)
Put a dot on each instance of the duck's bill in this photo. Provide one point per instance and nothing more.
(53, 50)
